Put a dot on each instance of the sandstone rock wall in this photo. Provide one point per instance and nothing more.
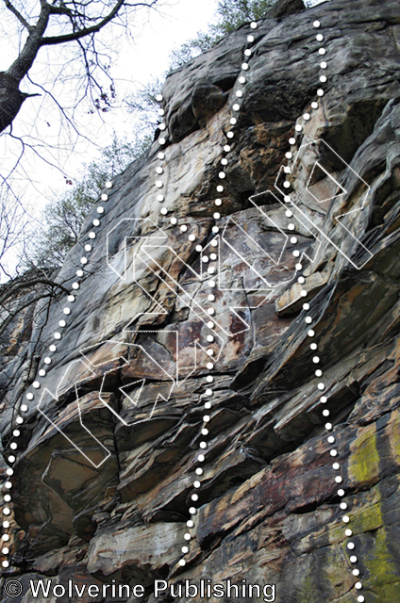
(128, 382)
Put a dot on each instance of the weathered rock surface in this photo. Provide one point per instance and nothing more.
(127, 383)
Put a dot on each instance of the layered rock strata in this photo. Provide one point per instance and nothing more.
(127, 383)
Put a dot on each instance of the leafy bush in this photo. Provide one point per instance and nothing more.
(230, 14)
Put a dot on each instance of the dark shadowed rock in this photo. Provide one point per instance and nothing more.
(207, 100)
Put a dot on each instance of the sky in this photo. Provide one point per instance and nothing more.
(143, 56)
(168, 28)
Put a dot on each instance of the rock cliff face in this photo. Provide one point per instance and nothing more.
(189, 336)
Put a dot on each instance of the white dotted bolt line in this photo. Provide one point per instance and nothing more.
(160, 187)
(308, 320)
(62, 324)
(162, 140)
(212, 270)
(314, 105)
(316, 359)
(333, 451)
(47, 360)
(215, 229)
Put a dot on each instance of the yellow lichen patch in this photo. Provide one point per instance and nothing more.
(389, 592)
(367, 519)
(364, 458)
(381, 567)
(395, 439)
(336, 561)
(308, 589)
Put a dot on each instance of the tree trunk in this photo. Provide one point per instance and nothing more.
(11, 98)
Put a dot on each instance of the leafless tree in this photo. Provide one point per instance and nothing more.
(59, 52)
(54, 23)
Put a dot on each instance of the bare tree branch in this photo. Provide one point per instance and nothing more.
(16, 12)
(86, 63)
(11, 98)
(77, 35)
(24, 62)
(7, 321)
(13, 289)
